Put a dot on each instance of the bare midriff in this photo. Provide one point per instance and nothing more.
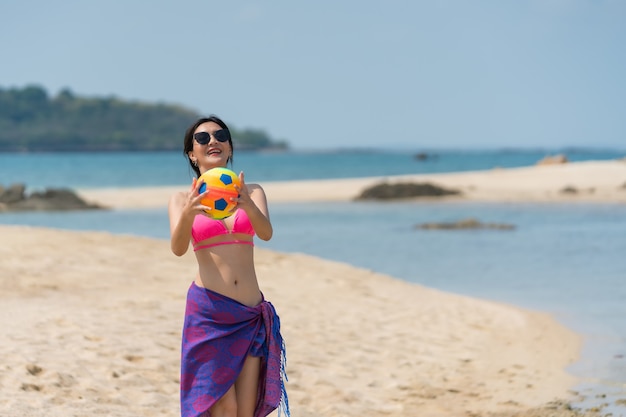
(229, 270)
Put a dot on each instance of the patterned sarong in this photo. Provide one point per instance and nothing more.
(218, 334)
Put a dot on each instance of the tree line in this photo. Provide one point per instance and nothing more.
(33, 121)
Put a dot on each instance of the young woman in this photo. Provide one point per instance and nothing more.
(232, 352)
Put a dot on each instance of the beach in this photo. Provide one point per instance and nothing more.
(588, 181)
(92, 320)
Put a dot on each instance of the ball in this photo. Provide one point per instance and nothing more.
(221, 185)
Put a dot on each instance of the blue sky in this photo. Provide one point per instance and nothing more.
(343, 74)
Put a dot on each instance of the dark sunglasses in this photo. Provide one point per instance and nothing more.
(222, 135)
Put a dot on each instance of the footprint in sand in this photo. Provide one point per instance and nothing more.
(30, 387)
(34, 369)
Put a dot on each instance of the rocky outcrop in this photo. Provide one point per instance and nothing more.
(423, 156)
(464, 225)
(388, 191)
(15, 198)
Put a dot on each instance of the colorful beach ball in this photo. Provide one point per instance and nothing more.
(221, 185)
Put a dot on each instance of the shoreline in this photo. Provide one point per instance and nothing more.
(589, 182)
(110, 343)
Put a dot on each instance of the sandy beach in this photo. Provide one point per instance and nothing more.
(592, 181)
(91, 321)
(92, 326)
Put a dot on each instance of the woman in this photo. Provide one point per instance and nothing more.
(232, 352)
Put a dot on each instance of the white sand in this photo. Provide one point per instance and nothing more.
(91, 326)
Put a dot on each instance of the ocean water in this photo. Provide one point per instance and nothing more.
(565, 259)
(170, 168)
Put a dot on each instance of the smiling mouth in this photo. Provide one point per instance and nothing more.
(214, 152)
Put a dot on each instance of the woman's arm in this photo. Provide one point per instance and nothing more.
(182, 209)
(253, 201)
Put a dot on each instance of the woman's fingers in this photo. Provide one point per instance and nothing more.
(196, 197)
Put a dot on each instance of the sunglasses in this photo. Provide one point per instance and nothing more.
(222, 135)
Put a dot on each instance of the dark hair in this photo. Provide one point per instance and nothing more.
(188, 142)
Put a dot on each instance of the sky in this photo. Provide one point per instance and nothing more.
(446, 74)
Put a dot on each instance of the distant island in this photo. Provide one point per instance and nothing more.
(33, 121)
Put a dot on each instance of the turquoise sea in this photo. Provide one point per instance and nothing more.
(565, 259)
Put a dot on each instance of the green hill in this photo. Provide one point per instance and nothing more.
(32, 120)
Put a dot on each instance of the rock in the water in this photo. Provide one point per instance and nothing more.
(14, 198)
(464, 225)
(388, 191)
(423, 156)
(12, 194)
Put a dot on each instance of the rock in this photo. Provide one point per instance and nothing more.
(423, 156)
(387, 191)
(569, 190)
(13, 194)
(464, 225)
(553, 160)
(15, 199)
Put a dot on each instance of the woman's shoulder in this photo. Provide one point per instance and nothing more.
(254, 188)
(178, 197)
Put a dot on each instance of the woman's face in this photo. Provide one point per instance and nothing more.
(212, 154)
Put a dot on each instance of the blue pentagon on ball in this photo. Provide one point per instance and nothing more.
(220, 204)
(226, 179)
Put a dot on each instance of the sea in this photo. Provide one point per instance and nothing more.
(565, 259)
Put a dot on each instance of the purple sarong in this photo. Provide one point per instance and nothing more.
(218, 334)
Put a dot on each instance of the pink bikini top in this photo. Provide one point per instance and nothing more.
(204, 228)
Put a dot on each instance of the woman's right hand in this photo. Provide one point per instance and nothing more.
(182, 209)
(193, 203)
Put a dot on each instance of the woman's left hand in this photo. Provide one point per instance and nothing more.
(243, 199)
